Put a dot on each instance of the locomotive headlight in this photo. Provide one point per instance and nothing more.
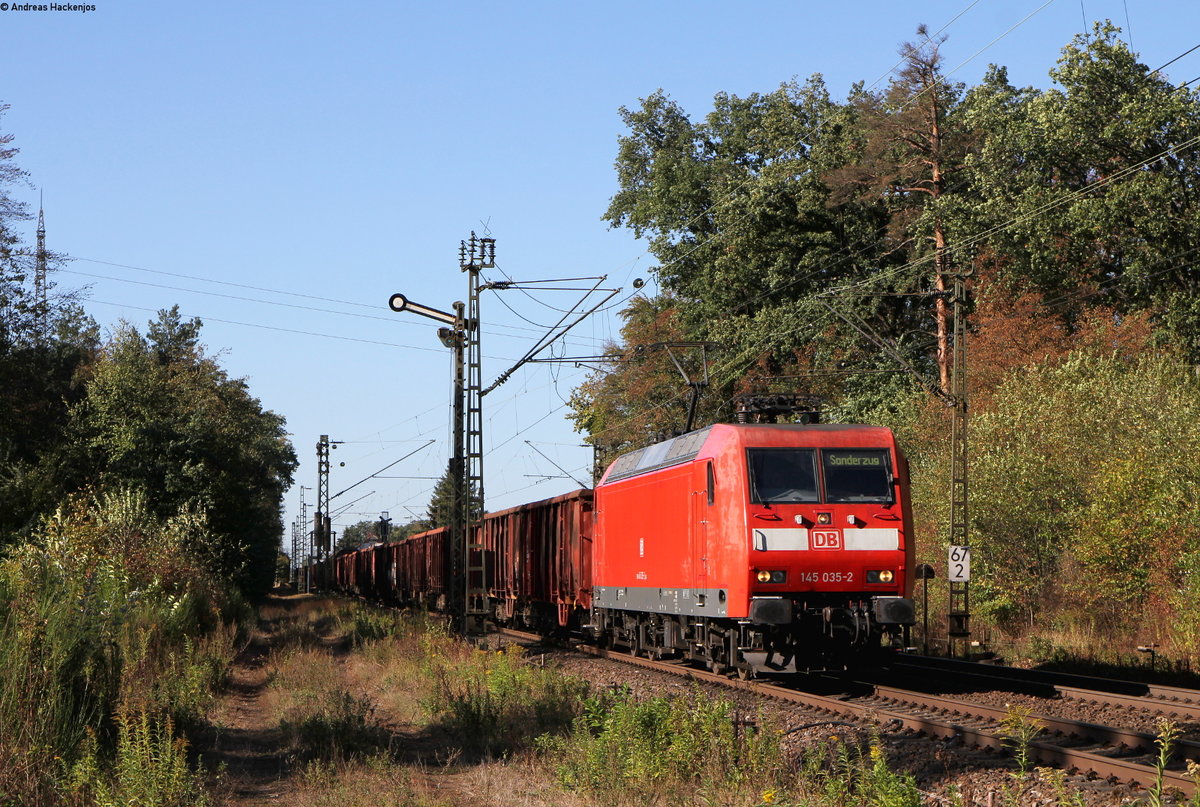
(886, 576)
(764, 576)
(771, 576)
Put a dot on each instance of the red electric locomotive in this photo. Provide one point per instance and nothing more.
(793, 540)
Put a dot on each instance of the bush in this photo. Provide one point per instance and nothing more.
(341, 727)
(99, 618)
(1084, 492)
(494, 701)
(618, 744)
(375, 624)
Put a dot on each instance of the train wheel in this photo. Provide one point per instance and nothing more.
(636, 638)
(718, 652)
(740, 667)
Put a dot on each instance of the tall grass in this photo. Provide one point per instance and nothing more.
(843, 775)
(320, 719)
(100, 615)
(561, 741)
(620, 747)
(495, 702)
(151, 767)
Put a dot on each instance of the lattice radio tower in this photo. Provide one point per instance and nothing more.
(41, 305)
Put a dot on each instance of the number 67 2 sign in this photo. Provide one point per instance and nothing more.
(959, 567)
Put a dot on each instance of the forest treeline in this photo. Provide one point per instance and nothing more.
(143, 411)
(798, 235)
(140, 507)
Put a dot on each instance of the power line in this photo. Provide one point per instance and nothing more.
(384, 468)
(232, 296)
(373, 307)
(273, 327)
(1177, 58)
(751, 355)
(225, 282)
(718, 237)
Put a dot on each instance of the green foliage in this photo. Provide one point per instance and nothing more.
(44, 350)
(495, 702)
(377, 624)
(441, 504)
(163, 417)
(1081, 193)
(151, 767)
(104, 615)
(619, 744)
(1084, 513)
(1056, 779)
(1168, 733)
(357, 534)
(1019, 728)
(341, 726)
(841, 775)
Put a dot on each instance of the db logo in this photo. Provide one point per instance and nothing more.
(825, 539)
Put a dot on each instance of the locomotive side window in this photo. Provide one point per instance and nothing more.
(712, 484)
(783, 475)
(857, 475)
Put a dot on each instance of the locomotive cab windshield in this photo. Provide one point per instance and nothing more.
(783, 476)
(789, 476)
(857, 475)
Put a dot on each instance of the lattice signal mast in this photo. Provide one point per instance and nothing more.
(960, 601)
(474, 255)
(322, 523)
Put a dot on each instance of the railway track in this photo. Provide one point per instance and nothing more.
(1111, 752)
(1176, 703)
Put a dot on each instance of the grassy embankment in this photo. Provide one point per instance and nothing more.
(382, 708)
(412, 716)
(111, 645)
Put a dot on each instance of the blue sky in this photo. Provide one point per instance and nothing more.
(342, 151)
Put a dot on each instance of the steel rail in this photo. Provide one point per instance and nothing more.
(1050, 678)
(1155, 703)
(1074, 729)
(1099, 763)
(1169, 701)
